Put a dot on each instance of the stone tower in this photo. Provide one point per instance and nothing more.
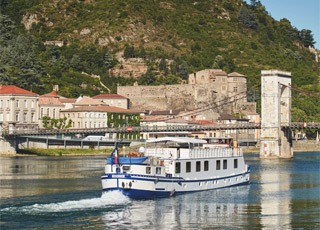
(276, 135)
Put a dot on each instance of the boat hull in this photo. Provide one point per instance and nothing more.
(141, 187)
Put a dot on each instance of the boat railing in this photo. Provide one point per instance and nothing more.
(185, 153)
(162, 152)
(208, 153)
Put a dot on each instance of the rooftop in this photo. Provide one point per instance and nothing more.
(235, 74)
(12, 89)
(50, 101)
(101, 96)
(52, 94)
(100, 108)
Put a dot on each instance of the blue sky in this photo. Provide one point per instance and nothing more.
(303, 14)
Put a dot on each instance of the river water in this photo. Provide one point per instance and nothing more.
(65, 193)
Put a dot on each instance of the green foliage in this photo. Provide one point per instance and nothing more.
(123, 119)
(174, 38)
(51, 123)
(247, 18)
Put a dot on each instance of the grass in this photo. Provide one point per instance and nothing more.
(61, 152)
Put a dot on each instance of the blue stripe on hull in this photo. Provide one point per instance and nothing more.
(141, 194)
(146, 194)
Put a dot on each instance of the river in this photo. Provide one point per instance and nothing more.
(65, 193)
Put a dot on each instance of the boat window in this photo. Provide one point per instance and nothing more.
(198, 166)
(126, 168)
(158, 170)
(178, 167)
(206, 165)
(225, 164)
(235, 163)
(148, 170)
(188, 166)
(218, 165)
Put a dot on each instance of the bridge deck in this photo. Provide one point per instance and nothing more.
(146, 129)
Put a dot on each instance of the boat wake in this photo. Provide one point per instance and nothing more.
(107, 199)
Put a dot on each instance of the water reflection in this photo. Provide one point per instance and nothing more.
(28, 176)
(64, 193)
(203, 209)
(275, 194)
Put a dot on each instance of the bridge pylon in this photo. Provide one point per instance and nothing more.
(276, 136)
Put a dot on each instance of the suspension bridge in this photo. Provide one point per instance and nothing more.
(275, 123)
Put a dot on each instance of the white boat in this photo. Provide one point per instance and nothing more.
(182, 165)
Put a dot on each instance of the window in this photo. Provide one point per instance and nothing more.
(235, 163)
(32, 117)
(8, 104)
(78, 115)
(158, 170)
(54, 113)
(1, 116)
(24, 117)
(17, 103)
(188, 166)
(41, 114)
(198, 166)
(25, 103)
(148, 170)
(17, 116)
(32, 104)
(235, 89)
(8, 116)
(1, 103)
(218, 165)
(79, 126)
(235, 79)
(47, 111)
(206, 165)
(225, 164)
(178, 167)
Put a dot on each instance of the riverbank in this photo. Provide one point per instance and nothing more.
(298, 146)
(62, 152)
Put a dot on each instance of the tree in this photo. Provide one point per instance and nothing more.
(247, 18)
(128, 51)
(219, 62)
(107, 59)
(75, 61)
(51, 123)
(183, 71)
(307, 38)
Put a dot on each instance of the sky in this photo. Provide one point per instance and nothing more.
(303, 14)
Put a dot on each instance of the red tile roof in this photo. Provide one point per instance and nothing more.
(52, 94)
(202, 122)
(50, 101)
(102, 108)
(12, 89)
(101, 96)
(68, 100)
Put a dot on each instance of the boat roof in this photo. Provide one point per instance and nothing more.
(178, 140)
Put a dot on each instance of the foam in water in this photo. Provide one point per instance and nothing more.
(106, 199)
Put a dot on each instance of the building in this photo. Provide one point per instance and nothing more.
(18, 108)
(113, 100)
(236, 133)
(50, 106)
(154, 121)
(210, 88)
(101, 116)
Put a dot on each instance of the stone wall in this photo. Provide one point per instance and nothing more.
(167, 97)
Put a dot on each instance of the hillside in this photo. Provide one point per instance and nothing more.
(169, 38)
